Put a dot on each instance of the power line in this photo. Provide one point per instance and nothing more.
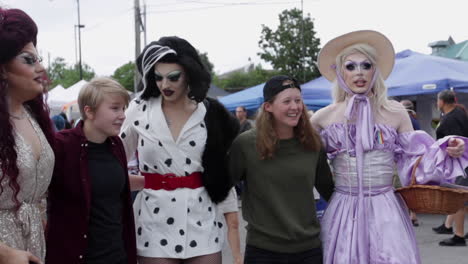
(220, 5)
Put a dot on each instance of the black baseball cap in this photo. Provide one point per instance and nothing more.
(275, 85)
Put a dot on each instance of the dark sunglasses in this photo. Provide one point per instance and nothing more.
(172, 76)
(363, 66)
(29, 58)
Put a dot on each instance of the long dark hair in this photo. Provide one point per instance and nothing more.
(199, 78)
(17, 29)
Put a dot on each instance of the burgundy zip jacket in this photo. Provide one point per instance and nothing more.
(69, 200)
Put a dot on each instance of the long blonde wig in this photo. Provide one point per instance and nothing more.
(378, 95)
(267, 138)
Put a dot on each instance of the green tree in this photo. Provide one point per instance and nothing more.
(293, 47)
(240, 80)
(125, 74)
(65, 75)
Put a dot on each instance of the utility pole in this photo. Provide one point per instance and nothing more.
(144, 22)
(79, 38)
(137, 76)
(302, 38)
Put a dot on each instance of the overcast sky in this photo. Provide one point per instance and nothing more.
(229, 30)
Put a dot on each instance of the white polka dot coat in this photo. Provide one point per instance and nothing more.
(181, 223)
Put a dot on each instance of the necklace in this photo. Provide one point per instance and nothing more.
(21, 117)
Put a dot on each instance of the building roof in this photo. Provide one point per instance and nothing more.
(458, 51)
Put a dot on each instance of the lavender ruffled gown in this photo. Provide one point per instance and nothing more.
(366, 222)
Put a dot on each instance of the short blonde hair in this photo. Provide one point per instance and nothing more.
(93, 93)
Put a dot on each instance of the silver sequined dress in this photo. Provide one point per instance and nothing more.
(23, 229)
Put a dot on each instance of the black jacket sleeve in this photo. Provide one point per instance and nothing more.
(222, 128)
(324, 180)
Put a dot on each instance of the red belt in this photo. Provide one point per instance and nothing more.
(171, 182)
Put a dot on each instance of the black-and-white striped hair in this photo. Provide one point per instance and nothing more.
(173, 50)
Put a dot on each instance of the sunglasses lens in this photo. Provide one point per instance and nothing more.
(158, 78)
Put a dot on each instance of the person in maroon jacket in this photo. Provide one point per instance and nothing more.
(90, 216)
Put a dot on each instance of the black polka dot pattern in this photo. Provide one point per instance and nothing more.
(137, 101)
(188, 210)
(144, 108)
(216, 240)
(186, 173)
(193, 243)
(146, 244)
(147, 197)
(168, 162)
(123, 135)
(142, 142)
(147, 126)
(170, 221)
(200, 199)
(202, 125)
(173, 199)
(188, 161)
(220, 225)
(181, 232)
(209, 209)
(145, 167)
(155, 167)
(163, 242)
(139, 212)
(160, 144)
(139, 231)
(136, 123)
(199, 223)
(178, 248)
(156, 210)
(192, 143)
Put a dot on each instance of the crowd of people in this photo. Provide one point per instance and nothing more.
(66, 191)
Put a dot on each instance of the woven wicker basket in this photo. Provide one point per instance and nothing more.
(430, 199)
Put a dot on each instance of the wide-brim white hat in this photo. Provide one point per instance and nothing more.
(382, 45)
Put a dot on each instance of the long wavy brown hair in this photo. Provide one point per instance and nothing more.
(267, 138)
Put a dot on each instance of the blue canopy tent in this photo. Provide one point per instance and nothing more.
(414, 74)
(251, 98)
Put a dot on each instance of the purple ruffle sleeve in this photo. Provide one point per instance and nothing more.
(436, 165)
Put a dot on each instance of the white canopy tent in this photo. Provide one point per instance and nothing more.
(59, 96)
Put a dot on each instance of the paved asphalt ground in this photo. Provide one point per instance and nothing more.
(428, 241)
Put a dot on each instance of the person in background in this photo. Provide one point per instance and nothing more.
(59, 122)
(281, 161)
(241, 114)
(26, 138)
(68, 125)
(454, 121)
(182, 138)
(366, 136)
(90, 214)
(409, 106)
